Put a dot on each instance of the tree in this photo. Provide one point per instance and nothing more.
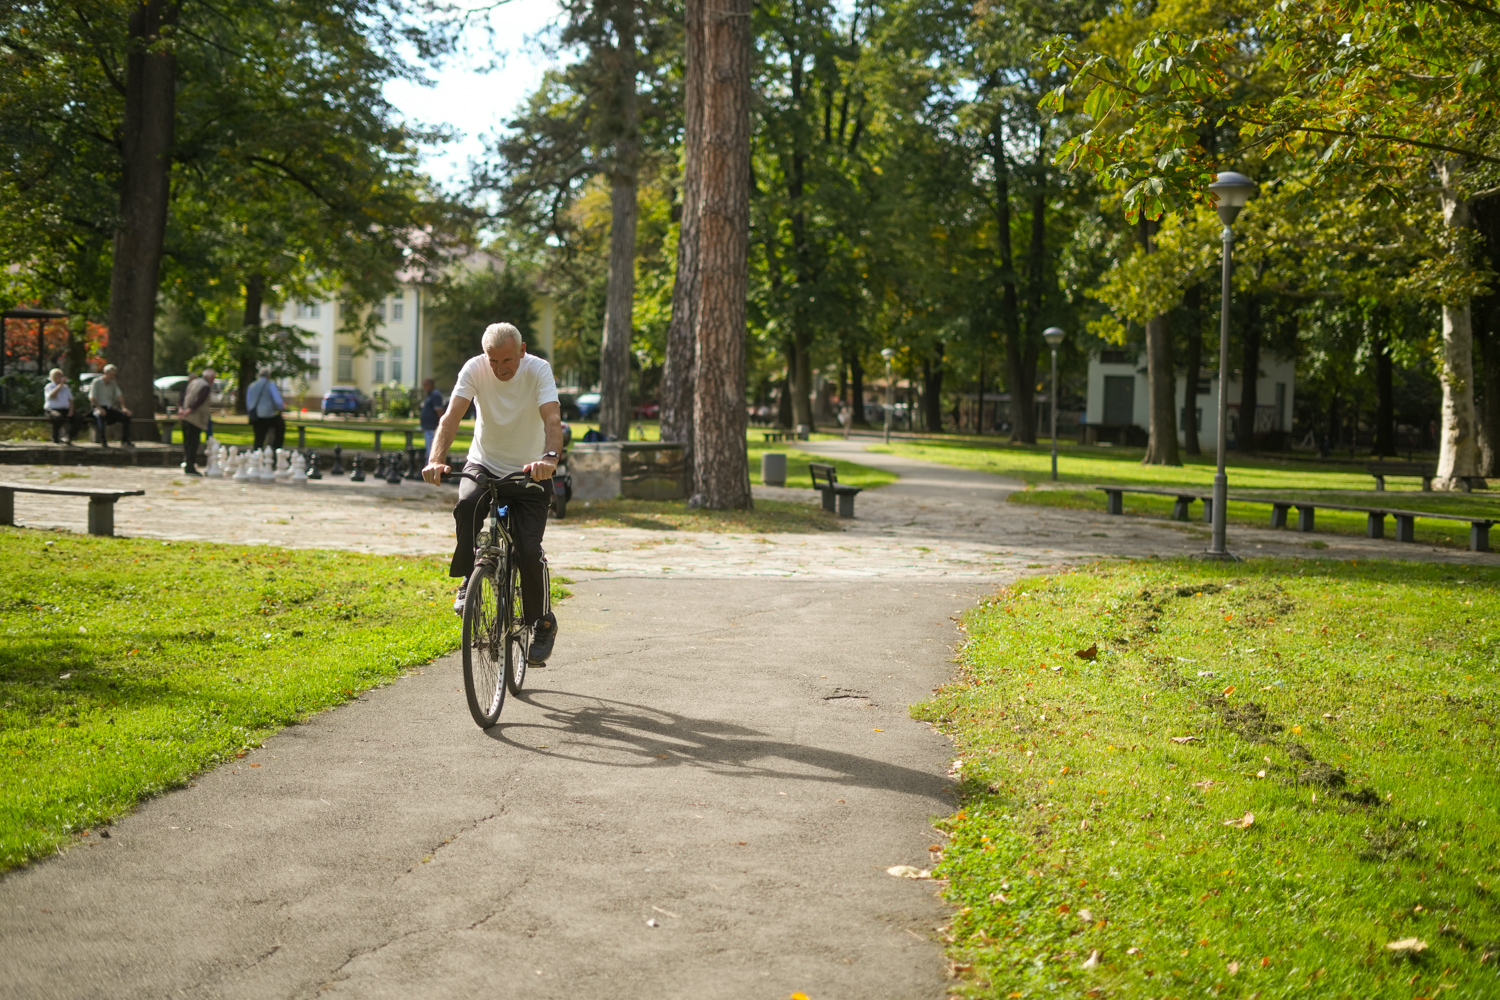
(466, 301)
(721, 472)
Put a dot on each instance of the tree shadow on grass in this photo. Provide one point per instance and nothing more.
(610, 733)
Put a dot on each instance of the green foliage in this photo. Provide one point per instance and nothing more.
(467, 301)
(1263, 776)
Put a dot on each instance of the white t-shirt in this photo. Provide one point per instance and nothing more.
(59, 396)
(509, 434)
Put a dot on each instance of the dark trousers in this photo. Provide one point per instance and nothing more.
(62, 426)
(112, 416)
(190, 438)
(269, 430)
(528, 505)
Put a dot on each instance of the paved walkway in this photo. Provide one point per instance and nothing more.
(698, 798)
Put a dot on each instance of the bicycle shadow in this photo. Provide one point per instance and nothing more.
(593, 730)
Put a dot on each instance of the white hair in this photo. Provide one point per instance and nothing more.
(499, 334)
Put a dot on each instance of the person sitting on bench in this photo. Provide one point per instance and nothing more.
(59, 399)
(108, 400)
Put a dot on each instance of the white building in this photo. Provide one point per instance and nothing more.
(405, 358)
(1119, 401)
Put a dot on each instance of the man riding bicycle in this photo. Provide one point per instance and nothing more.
(519, 430)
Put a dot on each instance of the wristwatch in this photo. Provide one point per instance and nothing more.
(551, 454)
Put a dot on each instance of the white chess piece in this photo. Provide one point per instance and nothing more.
(212, 470)
(241, 462)
(267, 466)
(299, 469)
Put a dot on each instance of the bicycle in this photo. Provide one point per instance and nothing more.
(496, 636)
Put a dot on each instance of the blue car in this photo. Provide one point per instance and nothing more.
(587, 406)
(347, 400)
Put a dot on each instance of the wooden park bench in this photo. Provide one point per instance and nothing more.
(825, 479)
(771, 437)
(101, 503)
(1420, 470)
(1406, 531)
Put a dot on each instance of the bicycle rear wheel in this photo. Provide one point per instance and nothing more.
(517, 634)
(484, 648)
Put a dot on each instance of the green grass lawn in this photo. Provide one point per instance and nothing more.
(1096, 464)
(128, 665)
(1267, 776)
(1453, 534)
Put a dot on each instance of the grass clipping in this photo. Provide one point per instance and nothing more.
(1272, 779)
(128, 665)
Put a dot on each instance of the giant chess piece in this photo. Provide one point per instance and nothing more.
(267, 466)
(312, 466)
(359, 468)
(213, 470)
(393, 470)
(283, 464)
(338, 461)
(298, 476)
(413, 465)
(241, 462)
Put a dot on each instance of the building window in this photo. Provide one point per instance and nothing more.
(313, 360)
(308, 310)
(380, 369)
(396, 360)
(398, 307)
(346, 364)
(380, 310)
(1115, 358)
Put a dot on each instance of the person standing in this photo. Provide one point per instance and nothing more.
(432, 411)
(59, 402)
(108, 401)
(194, 413)
(263, 404)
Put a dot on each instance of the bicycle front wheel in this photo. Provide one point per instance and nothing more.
(484, 648)
(518, 636)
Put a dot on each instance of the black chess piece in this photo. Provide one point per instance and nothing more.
(413, 469)
(312, 465)
(338, 461)
(393, 470)
(359, 469)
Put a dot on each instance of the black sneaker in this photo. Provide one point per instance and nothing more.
(191, 472)
(543, 636)
(459, 599)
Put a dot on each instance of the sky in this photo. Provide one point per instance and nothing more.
(467, 98)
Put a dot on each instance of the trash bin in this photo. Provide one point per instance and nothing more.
(773, 469)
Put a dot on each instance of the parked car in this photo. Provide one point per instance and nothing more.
(588, 406)
(648, 411)
(169, 390)
(348, 401)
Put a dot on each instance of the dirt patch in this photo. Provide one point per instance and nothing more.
(1249, 719)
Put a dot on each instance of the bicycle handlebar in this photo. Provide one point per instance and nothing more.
(519, 477)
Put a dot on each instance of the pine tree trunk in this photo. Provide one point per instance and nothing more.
(1192, 369)
(857, 391)
(1018, 379)
(619, 299)
(932, 389)
(1385, 401)
(149, 127)
(802, 415)
(1249, 373)
(678, 373)
(1485, 317)
(1458, 447)
(1161, 382)
(255, 290)
(722, 472)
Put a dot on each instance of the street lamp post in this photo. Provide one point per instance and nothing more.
(1054, 337)
(1233, 192)
(888, 353)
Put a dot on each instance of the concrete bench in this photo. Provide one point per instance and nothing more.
(1406, 531)
(101, 503)
(825, 479)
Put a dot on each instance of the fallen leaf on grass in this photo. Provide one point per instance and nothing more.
(1092, 962)
(1088, 654)
(1407, 946)
(1185, 739)
(1234, 967)
(1086, 915)
(907, 871)
(1205, 784)
(1243, 822)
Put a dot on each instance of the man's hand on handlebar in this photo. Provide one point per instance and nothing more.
(434, 472)
(541, 469)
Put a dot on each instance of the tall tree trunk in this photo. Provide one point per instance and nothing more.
(1458, 449)
(979, 416)
(1249, 373)
(784, 417)
(1385, 401)
(150, 123)
(1161, 381)
(721, 474)
(857, 390)
(619, 299)
(932, 389)
(1019, 380)
(678, 373)
(1192, 368)
(801, 379)
(1485, 213)
(255, 290)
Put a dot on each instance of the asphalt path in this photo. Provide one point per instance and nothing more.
(699, 798)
